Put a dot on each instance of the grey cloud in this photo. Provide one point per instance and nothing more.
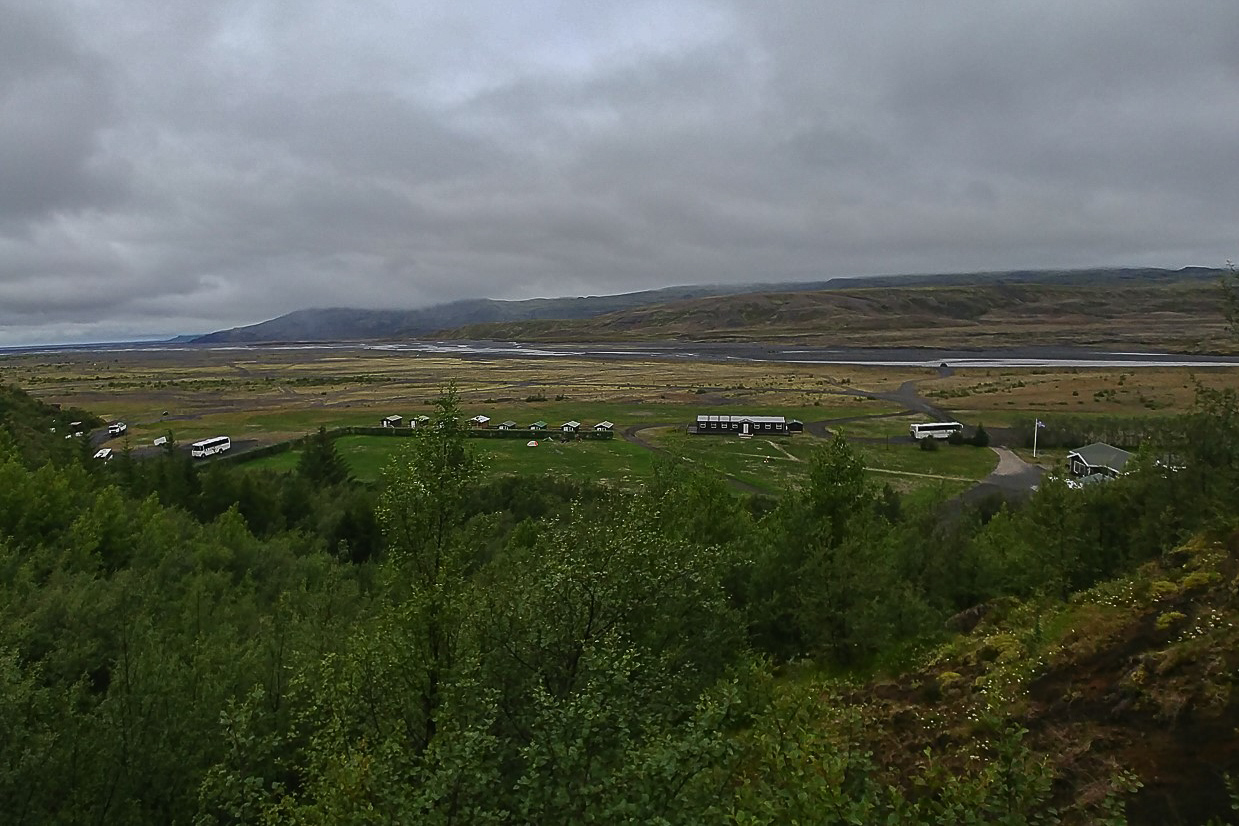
(55, 103)
(187, 166)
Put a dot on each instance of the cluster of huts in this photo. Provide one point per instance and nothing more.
(484, 423)
(705, 425)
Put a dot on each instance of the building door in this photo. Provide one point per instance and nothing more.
(746, 428)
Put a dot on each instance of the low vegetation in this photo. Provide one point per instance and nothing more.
(1180, 316)
(222, 645)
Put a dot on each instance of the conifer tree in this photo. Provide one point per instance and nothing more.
(321, 463)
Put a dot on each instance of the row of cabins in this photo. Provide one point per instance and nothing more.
(484, 422)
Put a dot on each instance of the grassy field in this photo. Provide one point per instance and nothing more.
(775, 464)
(277, 395)
(267, 396)
(769, 465)
(1002, 396)
(614, 460)
(951, 462)
(879, 428)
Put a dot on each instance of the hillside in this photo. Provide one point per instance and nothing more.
(351, 324)
(1125, 689)
(1183, 316)
(541, 318)
(209, 644)
(37, 429)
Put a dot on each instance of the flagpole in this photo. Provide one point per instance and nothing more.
(1036, 427)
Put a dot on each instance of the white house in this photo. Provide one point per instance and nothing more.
(570, 427)
(604, 426)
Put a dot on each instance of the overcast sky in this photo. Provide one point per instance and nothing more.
(180, 166)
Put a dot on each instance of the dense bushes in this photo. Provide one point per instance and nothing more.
(219, 645)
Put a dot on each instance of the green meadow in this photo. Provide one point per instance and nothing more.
(768, 465)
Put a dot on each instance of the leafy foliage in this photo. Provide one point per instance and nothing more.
(217, 645)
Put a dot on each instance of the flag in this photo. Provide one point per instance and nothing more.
(1040, 423)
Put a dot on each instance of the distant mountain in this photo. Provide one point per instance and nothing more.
(489, 318)
(1177, 312)
(348, 324)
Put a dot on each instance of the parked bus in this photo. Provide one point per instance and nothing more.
(209, 447)
(935, 430)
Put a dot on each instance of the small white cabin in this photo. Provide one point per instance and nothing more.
(392, 421)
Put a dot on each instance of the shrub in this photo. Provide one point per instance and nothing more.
(1168, 619)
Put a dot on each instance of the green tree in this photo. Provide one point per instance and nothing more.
(820, 561)
(321, 463)
(422, 511)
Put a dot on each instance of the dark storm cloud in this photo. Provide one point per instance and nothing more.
(174, 166)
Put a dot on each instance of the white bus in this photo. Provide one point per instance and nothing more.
(935, 430)
(209, 447)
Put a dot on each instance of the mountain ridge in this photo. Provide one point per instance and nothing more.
(464, 318)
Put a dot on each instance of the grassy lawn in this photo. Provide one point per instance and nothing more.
(614, 460)
(775, 464)
(880, 428)
(955, 461)
(770, 464)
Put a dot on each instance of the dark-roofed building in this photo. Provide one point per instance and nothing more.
(508, 425)
(1098, 458)
(570, 427)
(392, 421)
(604, 426)
(710, 425)
(538, 425)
